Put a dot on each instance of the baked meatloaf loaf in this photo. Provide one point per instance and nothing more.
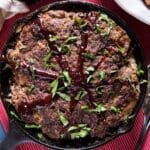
(74, 74)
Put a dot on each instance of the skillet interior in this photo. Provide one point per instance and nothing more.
(87, 142)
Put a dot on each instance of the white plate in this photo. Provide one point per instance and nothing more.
(136, 8)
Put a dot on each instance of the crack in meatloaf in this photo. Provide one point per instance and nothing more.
(73, 74)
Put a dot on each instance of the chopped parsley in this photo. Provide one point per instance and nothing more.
(64, 96)
(80, 22)
(79, 131)
(90, 77)
(105, 33)
(72, 128)
(53, 38)
(89, 56)
(15, 115)
(97, 27)
(99, 90)
(63, 119)
(121, 49)
(114, 109)
(32, 126)
(134, 86)
(102, 32)
(54, 86)
(129, 116)
(104, 17)
(47, 58)
(80, 95)
(84, 107)
(80, 134)
(113, 71)
(101, 75)
(99, 108)
(89, 70)
(31, 88)
(64, 48)
(71, 39)
(40, 136)
(139, 71)
(105, 52)
(143, 81)
(66, 78)
(53, 65)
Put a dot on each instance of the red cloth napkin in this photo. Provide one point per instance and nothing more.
(124, 142)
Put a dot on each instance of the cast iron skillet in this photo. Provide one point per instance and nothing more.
(18, 134)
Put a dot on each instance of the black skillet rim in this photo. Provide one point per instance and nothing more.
(120, 22)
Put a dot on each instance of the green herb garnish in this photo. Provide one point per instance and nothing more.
(61, 88)
(54, 86)
(71, 39)
(32, 126)
(104, 17)
(99, 90)
(40, 136)
(143, 81)
(80, 134)
(97, 27)
(31, 88)
(89, 56)
(139, 71)
(65, 49)
(99, 108)
(129, 116)
(121, 49)
(80, 95)
(101, 75)
(105, 52)
(114, 109)
(15, 115)
(89, 78)
(79, 131)
(84, 107)
(53, 65)
(80, 22)
(134, 87)
(104, 33)
(64, 96)
(47, 58)
(113, 71)
(72, 128)
(63, 119)
(66, 78)
(89, 70)
(53, 38)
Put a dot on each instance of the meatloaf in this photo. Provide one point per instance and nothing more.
(74, 74)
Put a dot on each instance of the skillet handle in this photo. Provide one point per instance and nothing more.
(146, 109)
(14, 137)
